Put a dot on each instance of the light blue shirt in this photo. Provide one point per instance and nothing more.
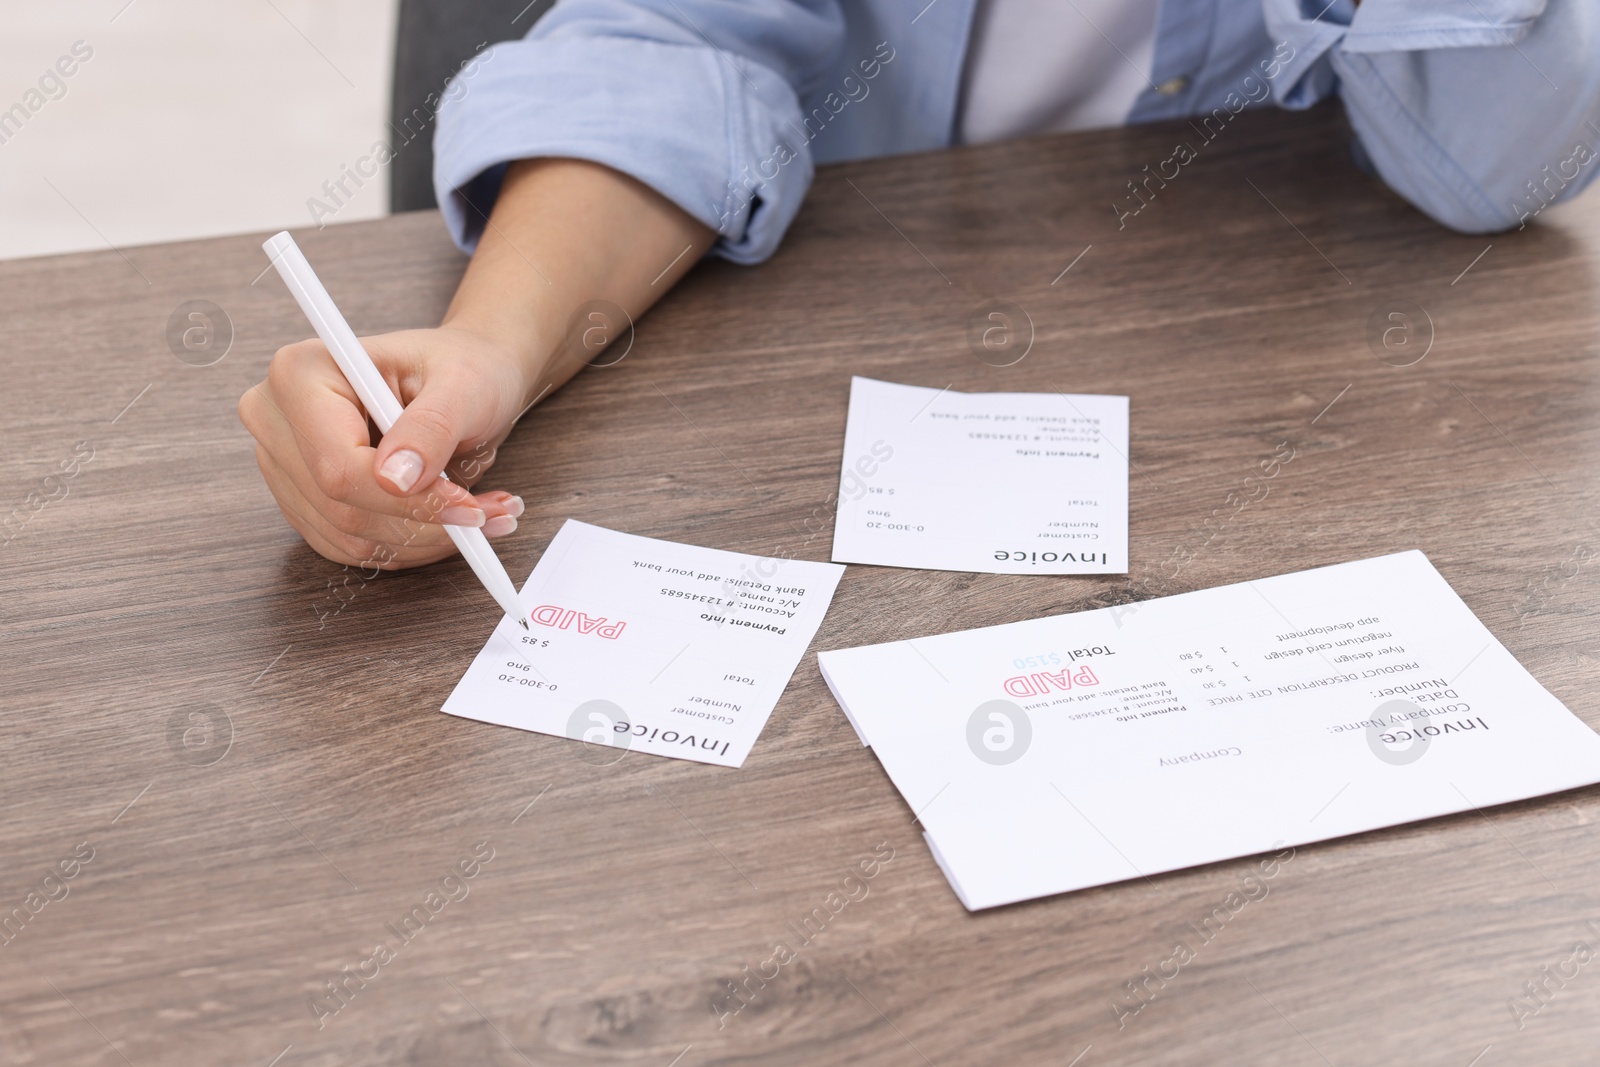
(1479, 112)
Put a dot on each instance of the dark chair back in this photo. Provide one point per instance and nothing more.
(432, 39)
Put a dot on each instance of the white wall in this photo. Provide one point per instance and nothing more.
(192, 118)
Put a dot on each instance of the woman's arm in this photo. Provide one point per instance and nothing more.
(562, 233)
(645, 129)
(1480, 114)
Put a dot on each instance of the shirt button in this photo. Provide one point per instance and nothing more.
(1173, 86)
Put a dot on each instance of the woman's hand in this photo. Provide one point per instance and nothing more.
(502, 346)
(383, 506)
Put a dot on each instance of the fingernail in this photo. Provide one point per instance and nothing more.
(402, 469)
(499, 526)
(461, 515)
(514, 505)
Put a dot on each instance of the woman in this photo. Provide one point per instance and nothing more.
(602, 156)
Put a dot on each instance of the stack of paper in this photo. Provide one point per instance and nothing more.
(1059, 753)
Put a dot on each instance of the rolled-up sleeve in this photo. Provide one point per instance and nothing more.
(1480, 114)
(698, 99)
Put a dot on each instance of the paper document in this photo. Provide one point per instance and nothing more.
(650, 646)
(1003, 483)
(1058, 753)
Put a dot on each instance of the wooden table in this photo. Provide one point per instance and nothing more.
(247, 737)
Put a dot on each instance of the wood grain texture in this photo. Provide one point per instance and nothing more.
(1233, 309)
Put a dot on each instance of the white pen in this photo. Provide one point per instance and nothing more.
(379, 401)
